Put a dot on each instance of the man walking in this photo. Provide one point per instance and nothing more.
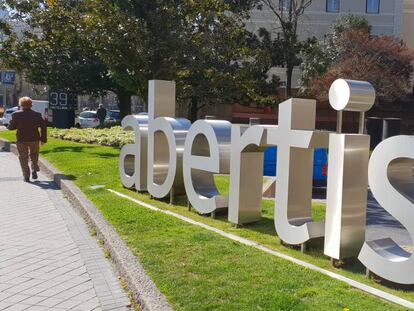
(27, 123)
(101, 114)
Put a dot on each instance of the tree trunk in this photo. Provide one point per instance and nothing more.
(289, 75)
(124, 102)
(193, 110)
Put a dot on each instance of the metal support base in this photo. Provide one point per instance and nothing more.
(213, 215)
(368, 273)
(189, 205)
(172, 197)
(336, 263)
(303, 247)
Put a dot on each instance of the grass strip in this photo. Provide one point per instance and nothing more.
(199, 270)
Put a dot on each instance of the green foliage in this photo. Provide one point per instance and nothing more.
(134, 39)
(202, 45)
(285, 47)
(318, 56)
(98, 45)
(383, 61)
(347, 22)
(315, 61)
(53, 50)
(350, 51)
(114, 136)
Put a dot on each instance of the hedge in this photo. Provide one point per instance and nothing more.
(114, 136)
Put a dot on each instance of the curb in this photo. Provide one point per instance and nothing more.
(126, 263)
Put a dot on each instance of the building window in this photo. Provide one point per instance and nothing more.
(373, 6)
(333, 6)
(284, 5)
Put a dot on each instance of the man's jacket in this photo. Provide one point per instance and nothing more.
(27, 123)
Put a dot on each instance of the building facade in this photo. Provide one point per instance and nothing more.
(408, 22)
(385, 16)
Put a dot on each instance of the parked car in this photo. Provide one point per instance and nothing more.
(320, 165)
(8, 115)
(113, 116)
(42, 107)
(39, 106)
(87, 119)
(1, 121)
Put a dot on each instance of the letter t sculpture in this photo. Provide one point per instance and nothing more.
(296, 137)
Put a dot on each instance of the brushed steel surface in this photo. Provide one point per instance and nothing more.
(133, 157)
(351, 95)
(161, 99)
(347, 193)
(246, 173)
(166, 138)
(390, 176)
(296, 139)
(206, 153)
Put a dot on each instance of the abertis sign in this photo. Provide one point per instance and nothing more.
(172, 157)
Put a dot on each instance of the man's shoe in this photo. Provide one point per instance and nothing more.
(26, 179)
(34, 175)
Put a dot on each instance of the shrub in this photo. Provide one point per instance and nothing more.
(114, 136)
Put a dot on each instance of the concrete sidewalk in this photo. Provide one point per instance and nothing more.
(48, 260)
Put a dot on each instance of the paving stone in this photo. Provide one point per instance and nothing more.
(48, 260)
(17, 307)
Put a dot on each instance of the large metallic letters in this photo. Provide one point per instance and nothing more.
(166, 137)
(170, 157)
(296, 139)
(206, 152)
(390, 176)
(133, 159)
(347, 189)
(246, 172)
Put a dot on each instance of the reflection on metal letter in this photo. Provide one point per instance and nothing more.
(296, 137)
(246, 173)
(206, 152)
(166, 137)
(347, 181)
(346, 195)
(390, 176)
(133, 157)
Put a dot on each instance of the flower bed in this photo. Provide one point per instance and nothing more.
(114, 136)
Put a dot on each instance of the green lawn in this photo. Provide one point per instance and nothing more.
(199, 270)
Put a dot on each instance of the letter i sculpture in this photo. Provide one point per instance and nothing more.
(347, 187)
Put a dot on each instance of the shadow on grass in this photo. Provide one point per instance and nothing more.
(266, 227)
(314, 248)
(81, 149)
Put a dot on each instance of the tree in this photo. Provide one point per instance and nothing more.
(202, 45)
(318, 56)
(286, 43)
(99, 45)
(135, 39)
(218, 63)
(54, 50)
(385, 61)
